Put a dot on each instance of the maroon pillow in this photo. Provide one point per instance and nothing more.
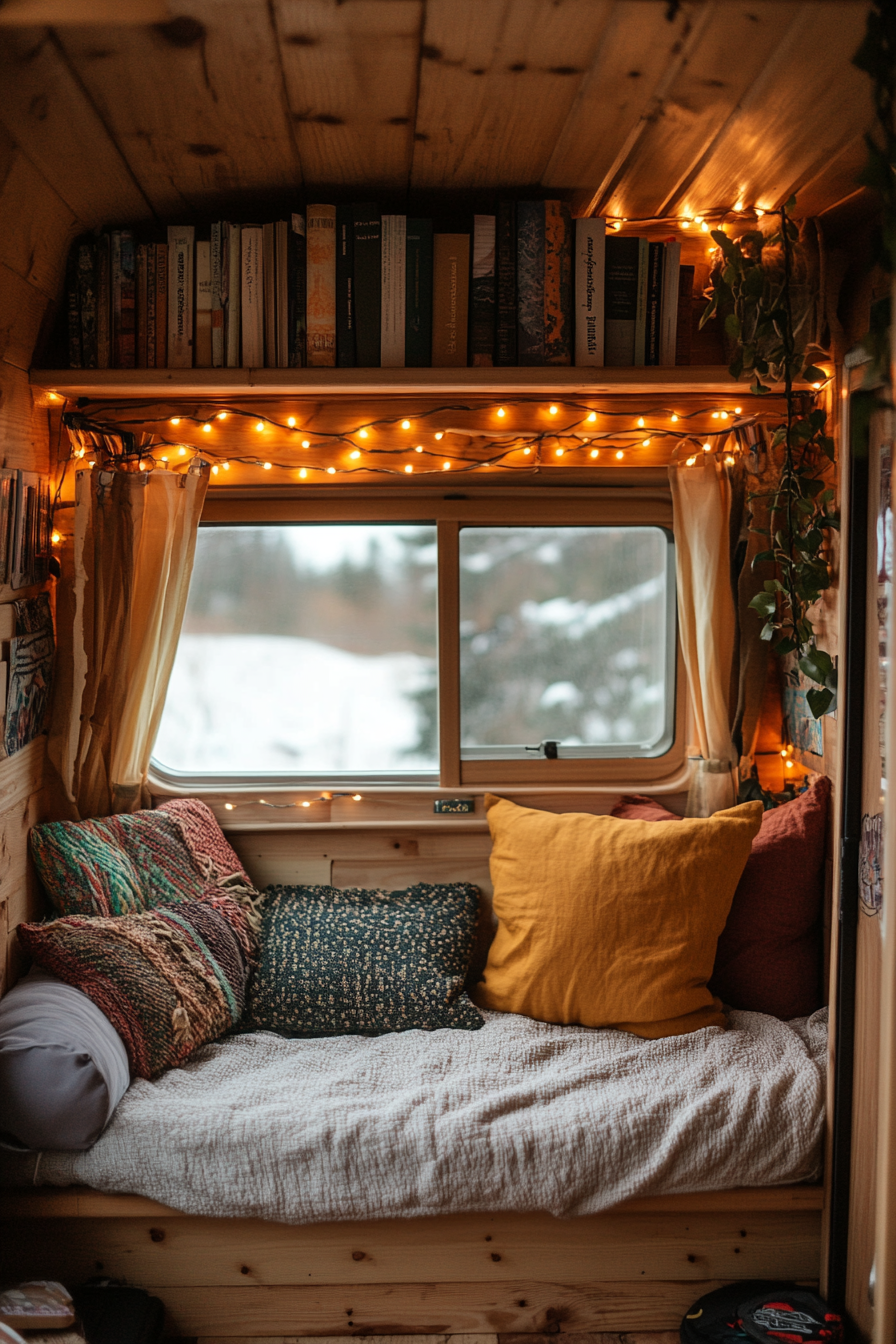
(769, 955)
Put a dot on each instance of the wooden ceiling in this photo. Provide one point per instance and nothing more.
(634, 108)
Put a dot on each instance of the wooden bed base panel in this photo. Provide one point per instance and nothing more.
(634, 1267)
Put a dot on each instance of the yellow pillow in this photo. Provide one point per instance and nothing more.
(611, 923)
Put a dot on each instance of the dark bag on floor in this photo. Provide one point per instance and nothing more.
(760, 1311)
(715, 1317)
(114, 1314)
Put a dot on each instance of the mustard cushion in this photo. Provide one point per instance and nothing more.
(608, 922)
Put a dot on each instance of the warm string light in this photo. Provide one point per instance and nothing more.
(325, 797)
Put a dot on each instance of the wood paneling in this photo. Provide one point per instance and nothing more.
(22, 804)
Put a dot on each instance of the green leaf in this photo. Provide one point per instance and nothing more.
(813, 374)
(760, 557)
(768, 631)
(764, 603)
(819, 701)
(785, 646)
(817, 665)
(732, 325)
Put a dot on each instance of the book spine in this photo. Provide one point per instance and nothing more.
(346, 354)
(269, 290)
(73, 309)
(251, 297)
(654, 303)
(557, 283)
(482, 293)
(203, 341)
(298, 290)
(151, 325)
(505, 338)
(233, 310)
(641, 315)
(5, 494)
(217, 253)
(140, 308)
(590, 246)
(103, 302)
(181, 239)
(530, 218)
(115, 287)
(128, 302)
(161, 305)
(368, 282)
(392, 294)
(669, 303)
(450, 295)
(684, 315)
(87, 303)
(281, 261)
(321, 271)
(418, 294)
(620, 300)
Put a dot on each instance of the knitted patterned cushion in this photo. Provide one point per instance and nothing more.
(334, 962)
(168, 979)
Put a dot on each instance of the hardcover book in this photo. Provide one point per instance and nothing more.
(269, 286)
(590, 247)
(368, 284)
(482, 293)
(251, 296)
(321, 310)
(669, 307)
(450, 293)
(150, 300)
(392, 299)
(505, 341)
(281, 270)
(298, 281)
(557, 283)
(217, 261)
(103, 301)
(684, 315)
(141, 308)
(625, 288)
(124, 297)
(231, 293)
(87, 302)
(530, 221)
(180, 296)
(345, 288)
(418, 295)
(203, 338)
(161, 305)
(73, 310)
(654, 303)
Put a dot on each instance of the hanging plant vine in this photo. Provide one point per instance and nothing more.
(754, 288)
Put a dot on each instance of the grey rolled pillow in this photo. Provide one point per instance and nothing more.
(63, 1066)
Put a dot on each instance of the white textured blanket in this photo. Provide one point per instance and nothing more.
(519, 1115)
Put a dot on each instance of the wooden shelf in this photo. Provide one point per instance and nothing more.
(164, 383)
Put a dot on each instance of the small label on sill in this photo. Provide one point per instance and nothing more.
(454, 806)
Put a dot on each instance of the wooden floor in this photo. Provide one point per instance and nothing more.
(626, 1337)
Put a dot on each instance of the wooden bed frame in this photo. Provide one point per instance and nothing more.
(636, 1267)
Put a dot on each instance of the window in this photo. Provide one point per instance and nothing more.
(481, 643)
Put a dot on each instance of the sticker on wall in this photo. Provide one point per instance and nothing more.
(803, 731)
(871, 863)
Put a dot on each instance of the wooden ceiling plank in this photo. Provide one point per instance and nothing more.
(641, 50)
(805, 108)
(36, 226)
(351, 75)
(496, 85)
(721, 67)
(196, 104)
(55, 12)
(835, 182)
(48, 114)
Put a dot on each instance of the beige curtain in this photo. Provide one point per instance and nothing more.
(701, 508)
(134, 540)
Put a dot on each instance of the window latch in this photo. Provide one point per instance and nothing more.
(547, 748)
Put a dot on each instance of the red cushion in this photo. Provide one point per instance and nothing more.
(769, 955)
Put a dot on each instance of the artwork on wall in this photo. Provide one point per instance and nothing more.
(803, 730)
(871, 864)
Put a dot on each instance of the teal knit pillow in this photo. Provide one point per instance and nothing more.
(335, 962)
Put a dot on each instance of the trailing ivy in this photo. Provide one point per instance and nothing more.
(753, 288)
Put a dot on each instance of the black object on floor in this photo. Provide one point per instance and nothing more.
(115, 1314)
(715, 1317)
(761, 1311)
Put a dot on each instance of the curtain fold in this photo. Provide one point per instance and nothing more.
(134, 542)
(701, 508)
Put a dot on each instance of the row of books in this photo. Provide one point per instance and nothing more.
(24, 528)
(350, 287)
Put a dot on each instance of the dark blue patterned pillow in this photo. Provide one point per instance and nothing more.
(334, 962)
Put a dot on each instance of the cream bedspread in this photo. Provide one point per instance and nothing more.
(517, 1116)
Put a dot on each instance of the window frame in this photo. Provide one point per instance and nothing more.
(483, 506)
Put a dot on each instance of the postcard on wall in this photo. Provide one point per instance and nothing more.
(31, 655)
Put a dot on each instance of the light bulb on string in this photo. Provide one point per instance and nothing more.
(222, 415)
(182, 451)
(707, 447)
(439, 436)
(331, 471)
(206, 429)
(690, 461)
(446, 466)
(355, 455)
(291, 422)
(259, 427)
(501, 412)
(552, 410)
(737, 410)
(306, 443)
(214, 471)
(226, 466)
(593, 452)
(302, 473)
(266, 465)
(674, 419)
(619, 455)
(526, 452)
(640, 422)
(409, 469)
(175, 420)
(558, 452)
(419, 448)
(645, 443)
(362, 433)
(591, 418)
(405, 424)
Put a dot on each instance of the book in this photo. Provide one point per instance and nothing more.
(557, 283)
(624, 288)
(367, 244)
(202, 345)
(231, 293)
(23, 509)
(103, 302)
(669, 305)
(505, 247)
(298, 284)
(281, 271)
(482, 293)
(251, 297)
(7, 478)
(392, 294)
(180, 295)
(141, 308)
(217, 267)
(450, 294)
(87, 303)
(345, 284)
(418, 294)
(268, 270)
(684, 315)
(590, 246)
(321, 294)
(530, 219)
(641, 313)
(161, 305)
(124, 298)
(73, 310)
(150, 302)
(654, 303)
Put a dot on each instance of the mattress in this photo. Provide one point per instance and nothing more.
(519, 1116)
